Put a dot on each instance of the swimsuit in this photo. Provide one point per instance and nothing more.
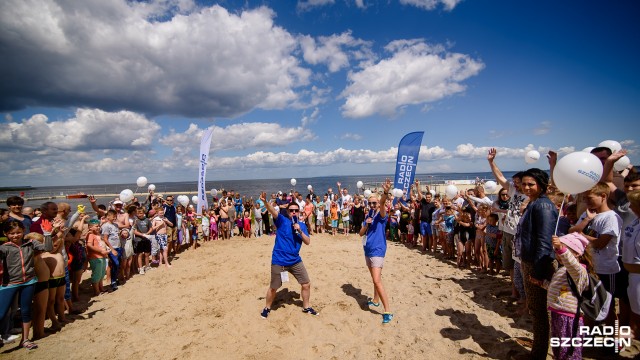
(55, 282)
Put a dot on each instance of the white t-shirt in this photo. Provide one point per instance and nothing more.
(631, 240)
(513, 213)
(605, 260)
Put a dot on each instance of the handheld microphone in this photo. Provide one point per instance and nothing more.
(295, 221)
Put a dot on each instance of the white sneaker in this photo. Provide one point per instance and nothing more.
(141, 271)
(10, 339)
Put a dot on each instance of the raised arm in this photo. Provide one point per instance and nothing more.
(418, 190)
(495, 170)
(383, 199)
(270, 208)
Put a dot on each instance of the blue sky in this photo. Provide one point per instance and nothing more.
(104, 92)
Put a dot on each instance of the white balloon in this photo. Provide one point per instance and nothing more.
(532, 156)
(152, 187)
(359, 184)
(183, 200)
(611, 144)
(293, 182)
(490, 186)
(397, 193)
(126, 195)
(622, 163)
(451, 191)
(577, 172)
(588, 149)
(433, 192)
(367, 193)
(194, 199)
(309, 187)
(142, 181)
(214, 192)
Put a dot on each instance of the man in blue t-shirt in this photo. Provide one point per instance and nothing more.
(285, 257)
(375, 248)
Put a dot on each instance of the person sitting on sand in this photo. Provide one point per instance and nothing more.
(375, 248)
(285, 257)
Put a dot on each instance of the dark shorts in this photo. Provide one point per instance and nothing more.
(56, 282)
(297, 270)
(425, 228)
(142, 246)
(41, 286)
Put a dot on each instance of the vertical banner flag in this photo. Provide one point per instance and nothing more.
(408, 151)
(202, 171)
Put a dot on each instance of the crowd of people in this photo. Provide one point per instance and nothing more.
(532, 231)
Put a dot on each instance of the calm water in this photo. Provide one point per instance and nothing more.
(250, 188)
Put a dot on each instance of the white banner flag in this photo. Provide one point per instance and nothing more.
(202, 171)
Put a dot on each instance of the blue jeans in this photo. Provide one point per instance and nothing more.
(114, 263)
(26, 296)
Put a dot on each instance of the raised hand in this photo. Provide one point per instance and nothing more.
(492, 154)
(386, 186)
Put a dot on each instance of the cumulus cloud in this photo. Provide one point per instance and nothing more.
(89, 129)
(543, 129)
(350, 136)
(238, 136)
(334, 51)
(432, 4)
(416, 73)
(158, 57)
(306, 5)
(311, 119)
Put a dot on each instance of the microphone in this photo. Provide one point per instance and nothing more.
(295, 221)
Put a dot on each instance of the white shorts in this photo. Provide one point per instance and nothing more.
(634, 293)
(374, 261)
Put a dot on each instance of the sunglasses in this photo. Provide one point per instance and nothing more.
(294, 210)
(504, 194)
(373, 202)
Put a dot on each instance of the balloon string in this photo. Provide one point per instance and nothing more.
(558, 221)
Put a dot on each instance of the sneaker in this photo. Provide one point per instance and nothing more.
(386, 318)
(10, 339)
(265, 312)
(141, 271)
(310, 310)
(114, 286)
(371, 303)
(147, 268)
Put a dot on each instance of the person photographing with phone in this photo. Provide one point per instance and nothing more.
(285, 257)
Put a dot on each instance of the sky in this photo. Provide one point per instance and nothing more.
(97, 92)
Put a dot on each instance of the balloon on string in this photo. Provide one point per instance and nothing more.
(490, 186)
(611, 144)
(397, 193)
(577, 172)
(451, 191)
(183, 200)
(367, 193)
(531, 157)
(126, 195)
(588, 149)
(359, 184)
(151, 187)
(622, 163)
(214, 192)
(141, 181)
(194, 199)
(293, 182)
(309, 187)
(433, 192)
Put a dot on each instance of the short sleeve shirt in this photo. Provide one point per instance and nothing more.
(286, 249)
(631, 240)
(111, 231)
(376, 244)
(605, 260)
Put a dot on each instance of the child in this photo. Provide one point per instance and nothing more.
(493, 240)
(19, 278)
(346, 210)
(446, 222)
(393, 223)
(205, 224)
(257, 214)
(159, 226)
(466, 232)
(410, 234)
(246, 226)
(433, 240)
(240, 224)
(213, 225)
(482, 260)
(319, 217)
(141, 243)
(561, 301)
(111, 237)
(97, 252)
(334, 218)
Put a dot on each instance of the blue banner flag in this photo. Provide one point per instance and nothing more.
(408, 151)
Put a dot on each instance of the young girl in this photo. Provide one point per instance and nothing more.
(446, 221)
(19, 272)
(205, 224)
(346, 211)
(493, 239)
(561, 301)
(482, 259)
(334, 218)
(213, 225)
(257, 214)
(240, 224)
(246, 226)
(466, 231)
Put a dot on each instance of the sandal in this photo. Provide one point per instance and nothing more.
(29, 345)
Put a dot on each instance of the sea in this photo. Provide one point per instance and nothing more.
(250, 188)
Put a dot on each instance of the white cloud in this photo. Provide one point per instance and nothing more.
(416, 73)
(158, 57)
(335, 50)
(350, 136)
(89, 129)
(309, 4)
(432, 4)
(311, 119)
(360, 4)
(543, 129)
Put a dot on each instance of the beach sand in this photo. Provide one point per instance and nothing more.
(208, 307)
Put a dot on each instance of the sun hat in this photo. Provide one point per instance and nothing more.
(575, 241)
(118, 202)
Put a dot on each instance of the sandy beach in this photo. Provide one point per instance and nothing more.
(208, 307)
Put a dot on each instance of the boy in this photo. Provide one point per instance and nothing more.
(97, 254)
(111, 237)
(159, 226)
(602, 227)
(142, 244)
(493, 239)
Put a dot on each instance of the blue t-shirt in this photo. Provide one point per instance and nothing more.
(280, 202)
(286, 250)
(376, 240)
